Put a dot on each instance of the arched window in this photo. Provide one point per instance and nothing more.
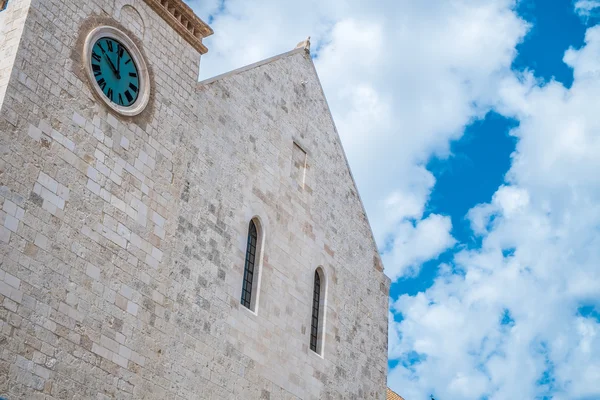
(250, 267)
(318, 309)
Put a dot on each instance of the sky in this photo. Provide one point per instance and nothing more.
(472, 128)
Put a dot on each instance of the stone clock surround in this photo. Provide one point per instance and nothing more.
(144, 77)
(79, 64)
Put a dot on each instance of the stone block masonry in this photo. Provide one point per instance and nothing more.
(122, 240)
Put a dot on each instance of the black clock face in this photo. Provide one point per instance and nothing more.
(115, 71)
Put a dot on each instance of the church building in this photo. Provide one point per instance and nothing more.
(164, 238)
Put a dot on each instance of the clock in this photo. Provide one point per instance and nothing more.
(117, 71)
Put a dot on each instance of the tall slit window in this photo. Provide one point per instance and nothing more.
(249, 267)
(316, 326)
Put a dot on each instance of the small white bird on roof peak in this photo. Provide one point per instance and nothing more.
(305, 44)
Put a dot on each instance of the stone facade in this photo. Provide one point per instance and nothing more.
(122, 240)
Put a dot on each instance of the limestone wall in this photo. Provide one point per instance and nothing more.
(12, 22)
(122, 240)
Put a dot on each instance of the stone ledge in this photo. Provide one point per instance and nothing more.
(183, 20)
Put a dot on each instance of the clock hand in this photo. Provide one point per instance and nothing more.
(119, 51)
(110, 63)
(113, 67)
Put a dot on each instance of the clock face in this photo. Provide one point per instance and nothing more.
(115, 71)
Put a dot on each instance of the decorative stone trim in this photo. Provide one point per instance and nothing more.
(183, 20)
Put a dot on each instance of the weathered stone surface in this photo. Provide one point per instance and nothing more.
(122, 240)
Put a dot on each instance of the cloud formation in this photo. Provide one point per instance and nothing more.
(509, 319)
(510, 324)
(585, 8)
(415, 243)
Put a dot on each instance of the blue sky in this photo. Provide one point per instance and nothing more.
(472, 130)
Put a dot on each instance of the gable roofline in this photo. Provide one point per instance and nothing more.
(377, 263)
(250, 66)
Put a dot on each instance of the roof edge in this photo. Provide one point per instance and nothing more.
(378, 265)
(250, 66)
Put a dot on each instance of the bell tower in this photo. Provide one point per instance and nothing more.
(98, 108)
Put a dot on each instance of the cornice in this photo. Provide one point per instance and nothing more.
(181, 18)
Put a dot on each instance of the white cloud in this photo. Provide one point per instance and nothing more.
(415, 243)
(430, 70)
(403, 79)
(586, 7)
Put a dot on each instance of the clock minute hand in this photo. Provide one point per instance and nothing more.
(113, 67)
(110, 63)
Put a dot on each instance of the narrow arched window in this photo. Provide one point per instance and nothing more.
(249, 270)
(317, 319)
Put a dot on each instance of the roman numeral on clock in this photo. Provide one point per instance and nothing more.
(121, 100)
(128, 95)
(102, 83)
(97, 70)
(110, 45)
(133, 87)
(96, 56)
(110, 94)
